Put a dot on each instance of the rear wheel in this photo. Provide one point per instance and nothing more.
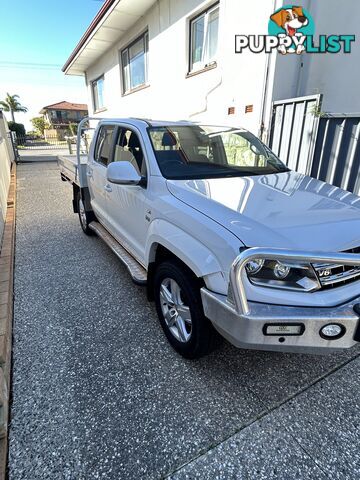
(179, 308)
(84, 216)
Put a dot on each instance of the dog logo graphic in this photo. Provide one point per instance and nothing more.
(291, 29)
(291, 20)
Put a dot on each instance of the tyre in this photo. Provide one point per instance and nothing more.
(84, 216)
(179, 308)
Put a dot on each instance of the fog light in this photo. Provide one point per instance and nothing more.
(332, 331)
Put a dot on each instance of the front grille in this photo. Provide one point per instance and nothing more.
(331, 276)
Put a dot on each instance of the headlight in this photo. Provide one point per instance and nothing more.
(254, 266)
(287, 276)
(281, 271)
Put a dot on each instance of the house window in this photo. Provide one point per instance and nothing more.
(204, 31)
(98, 93)
(134, 63)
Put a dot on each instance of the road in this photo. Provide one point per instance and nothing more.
(99, 393)
(42, 154)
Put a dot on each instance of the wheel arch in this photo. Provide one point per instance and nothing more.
(166, 241)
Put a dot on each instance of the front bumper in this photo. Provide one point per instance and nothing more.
(244, 323)
(247, 331)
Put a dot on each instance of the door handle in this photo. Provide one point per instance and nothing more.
(108, 188)
(89, 172)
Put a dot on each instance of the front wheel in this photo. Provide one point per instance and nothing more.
(85, 217)
(179, 308)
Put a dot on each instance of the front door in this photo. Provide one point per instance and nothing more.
(127, 203)
(96, 172)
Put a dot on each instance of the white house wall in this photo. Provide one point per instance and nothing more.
(336, 76)
(237, 81)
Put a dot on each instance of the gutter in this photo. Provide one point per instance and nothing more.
(99, 16)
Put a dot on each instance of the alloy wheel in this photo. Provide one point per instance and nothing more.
(82, 214)
(176, 313)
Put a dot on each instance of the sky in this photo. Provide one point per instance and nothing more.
(35, 42)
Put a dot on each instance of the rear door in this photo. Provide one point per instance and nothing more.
(98, 185)
(127, 203)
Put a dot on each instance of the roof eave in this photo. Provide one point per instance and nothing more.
(90, 30)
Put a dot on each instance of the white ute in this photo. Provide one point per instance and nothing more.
(226, 238)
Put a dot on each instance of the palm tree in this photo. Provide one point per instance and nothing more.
(12, 105)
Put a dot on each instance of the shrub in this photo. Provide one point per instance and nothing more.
(18, 128)
(32, 133)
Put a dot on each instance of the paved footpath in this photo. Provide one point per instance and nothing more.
(98, 392)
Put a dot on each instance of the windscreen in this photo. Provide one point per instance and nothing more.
(197, 151)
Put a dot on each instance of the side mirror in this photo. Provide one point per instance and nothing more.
(122, 173)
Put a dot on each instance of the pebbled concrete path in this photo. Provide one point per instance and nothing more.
(99, 393)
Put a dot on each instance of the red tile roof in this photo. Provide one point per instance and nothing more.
(66, 106)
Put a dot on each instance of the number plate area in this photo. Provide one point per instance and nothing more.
(284, 329)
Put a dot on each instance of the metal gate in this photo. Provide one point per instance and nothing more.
(294, 129)
(41, 142)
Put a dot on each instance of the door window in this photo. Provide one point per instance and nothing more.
(128, 149)
(104, 144)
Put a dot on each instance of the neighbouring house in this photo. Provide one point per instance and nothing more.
(176, 60)
(60, 115)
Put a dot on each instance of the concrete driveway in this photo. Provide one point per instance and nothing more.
(99, 393)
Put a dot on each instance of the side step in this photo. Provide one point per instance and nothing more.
(137, 271)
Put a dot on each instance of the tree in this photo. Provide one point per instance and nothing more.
(11, 104)
(39, 124)
(73, 129)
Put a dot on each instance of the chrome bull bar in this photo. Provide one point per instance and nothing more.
(238, 272)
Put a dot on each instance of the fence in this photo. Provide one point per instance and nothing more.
(337, 152)
(294, 129)
(7, 157)
(30, 143)
(53, 142)
(326, 147)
